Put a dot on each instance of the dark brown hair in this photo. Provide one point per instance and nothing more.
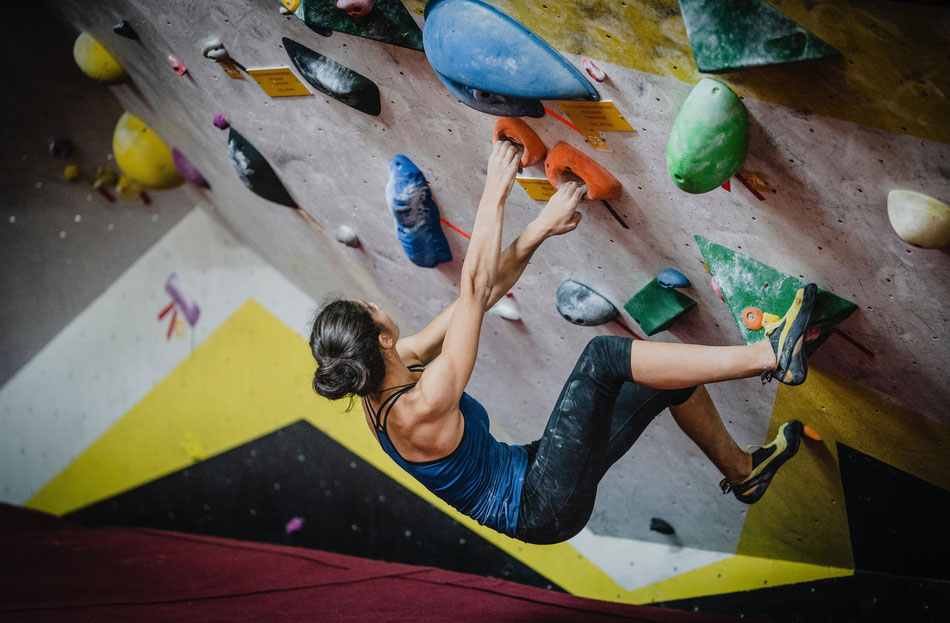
(345, 343)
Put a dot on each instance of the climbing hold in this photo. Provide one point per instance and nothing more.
(715, 287)
(347, 236)
(746, 33)
(188, 305)
(492, 103)
(476, 45)
(290, 5)
(142, 155)
(61, 148)
(655, 307)
(709, 138)
(582, 305)
(593, 70)
(518, 131)
(389, 21)
(744, 282)
(71, 173)
(255, 171)
(355, 8)
(187, 170)
(105, 177)
(220, 121)
(661, 526)
(128, 188)
(564, 161)
(95, 61)
(506, 309)
(177, 66)
(214, 49)
(284, 10)
(672, 278)
(810, 433)
(124, 29)
(416, 214)
(336, 80)
(919, 219)
(755, 181)
(752, 318)
(296, 523)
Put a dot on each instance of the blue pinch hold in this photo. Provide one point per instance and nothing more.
(416, 214)
(476, 45)
(672, 278)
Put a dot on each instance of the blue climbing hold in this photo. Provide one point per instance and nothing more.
(492, 103)
(417, 215)
(476, 45)
(582, 305)
(672, 278)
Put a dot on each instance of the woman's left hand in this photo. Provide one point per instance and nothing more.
(502, 169)
(560, 215)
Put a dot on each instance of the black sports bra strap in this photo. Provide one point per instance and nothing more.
(388, 405)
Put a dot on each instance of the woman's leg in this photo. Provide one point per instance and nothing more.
(674, 366)
(699, 419)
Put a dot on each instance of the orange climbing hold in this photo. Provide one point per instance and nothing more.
(810, 433)
(563, 159)
(752, 318)
(517, 131)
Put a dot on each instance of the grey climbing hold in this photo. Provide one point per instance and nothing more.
(661, 526)
(581, 305)
(213, 48)
(672, 278)
(347, 236)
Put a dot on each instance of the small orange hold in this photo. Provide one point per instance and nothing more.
(517, 131)
(563, 159)
(752, 318)
(755, 181)
(810, 433)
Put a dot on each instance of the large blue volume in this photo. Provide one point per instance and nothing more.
(417, 215)
(476, 45)
(492, 103)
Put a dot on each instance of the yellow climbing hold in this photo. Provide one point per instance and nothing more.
(71, 173)
(920, 220)
(143, 156)
(95, 61)
(290, 5)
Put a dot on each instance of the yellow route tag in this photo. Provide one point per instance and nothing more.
(231, 70)
(599, 116)
(279, 81)
(538, 188)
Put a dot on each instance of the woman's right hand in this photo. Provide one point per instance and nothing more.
(502, 169)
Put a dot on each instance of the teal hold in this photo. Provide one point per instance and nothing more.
(709, 139)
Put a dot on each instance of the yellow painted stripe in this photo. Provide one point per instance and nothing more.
(892, 74)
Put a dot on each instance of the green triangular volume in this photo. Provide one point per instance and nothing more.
(745, 282)
(734, 34)
(389, 22)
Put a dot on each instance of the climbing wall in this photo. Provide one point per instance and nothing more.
(827, 140)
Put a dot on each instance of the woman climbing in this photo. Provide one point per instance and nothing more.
(413, 388)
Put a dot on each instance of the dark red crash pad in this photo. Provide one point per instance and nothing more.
(54, 570)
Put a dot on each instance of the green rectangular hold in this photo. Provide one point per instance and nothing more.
(655, 307)
(745, 282)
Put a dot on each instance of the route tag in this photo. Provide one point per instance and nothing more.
(538, 188)
(278, 81)
(599, 116)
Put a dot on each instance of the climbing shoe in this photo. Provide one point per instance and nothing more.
(787, 336)
(765, 462)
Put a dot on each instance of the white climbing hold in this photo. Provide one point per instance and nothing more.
(213, 48)
(347, 236)
(507, 309)
(918, 219)
(593, 70)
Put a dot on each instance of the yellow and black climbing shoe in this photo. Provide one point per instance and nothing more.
(765, 462)
(787, 336)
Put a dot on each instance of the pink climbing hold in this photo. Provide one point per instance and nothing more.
(177, 66)
(294, 525)
(187, 170)
(593, 70)
(355, 8)
(221, 122)
(715, 287)
(812, 334)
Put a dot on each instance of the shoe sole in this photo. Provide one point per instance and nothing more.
(786, 449)
(803, 306)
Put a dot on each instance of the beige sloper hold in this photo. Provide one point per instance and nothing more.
(919, 219)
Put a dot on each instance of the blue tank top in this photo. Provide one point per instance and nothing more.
(481, 478)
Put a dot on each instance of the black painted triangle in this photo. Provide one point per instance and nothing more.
(348, 506)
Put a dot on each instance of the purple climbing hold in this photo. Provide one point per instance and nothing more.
(221, 122)
(295, 524)
(188, 306)
(187, 170)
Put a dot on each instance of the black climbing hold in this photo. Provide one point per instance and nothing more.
(61, 147)
(256, 172)
(336, 80)
(581, 305)
(661, 526)
(493, 103)
(124, 29)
